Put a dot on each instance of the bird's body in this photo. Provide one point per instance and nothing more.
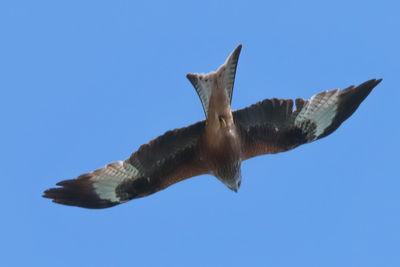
(220, 143)
(215, 146)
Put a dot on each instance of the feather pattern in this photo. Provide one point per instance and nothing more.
(217, 145)
(272, 126)
(164, 161)
(222, 79)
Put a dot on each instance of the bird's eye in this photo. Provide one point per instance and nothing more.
(239, 183)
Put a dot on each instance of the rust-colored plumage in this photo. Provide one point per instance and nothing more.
(217, 145)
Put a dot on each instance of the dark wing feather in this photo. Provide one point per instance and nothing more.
(272, 126)
(164, 161)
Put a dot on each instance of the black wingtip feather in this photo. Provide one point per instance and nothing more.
(349, 100)
(77, 192)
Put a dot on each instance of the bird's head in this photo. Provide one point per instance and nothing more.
(230, 175)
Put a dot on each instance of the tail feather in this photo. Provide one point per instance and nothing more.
(228, 71)
(203, 83)
(223, 78)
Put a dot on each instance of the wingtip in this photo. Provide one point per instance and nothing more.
(77, 192)
(45, 195)
(374, 81)
(370, 84)
(48, 193)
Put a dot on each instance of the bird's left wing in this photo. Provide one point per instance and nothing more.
(272, 126)
(162, 162)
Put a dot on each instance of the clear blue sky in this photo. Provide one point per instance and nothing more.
(85, 83)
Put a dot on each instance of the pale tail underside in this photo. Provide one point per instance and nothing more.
(223, 78)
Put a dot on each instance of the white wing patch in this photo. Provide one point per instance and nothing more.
(320, 109)
(107, 179)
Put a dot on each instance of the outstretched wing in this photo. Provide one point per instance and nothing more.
(164, 161)
(272, 126)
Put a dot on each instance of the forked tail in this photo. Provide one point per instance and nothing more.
(223, 78)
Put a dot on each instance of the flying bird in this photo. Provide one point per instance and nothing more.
(217, 145)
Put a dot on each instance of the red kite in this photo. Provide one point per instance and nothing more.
(217, 145)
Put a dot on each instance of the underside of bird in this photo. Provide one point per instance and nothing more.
(220, 141)
(216, 146)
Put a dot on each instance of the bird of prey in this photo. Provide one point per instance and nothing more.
(217, 145)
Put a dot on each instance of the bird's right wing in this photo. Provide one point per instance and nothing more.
(272, 126)
(162, 162)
